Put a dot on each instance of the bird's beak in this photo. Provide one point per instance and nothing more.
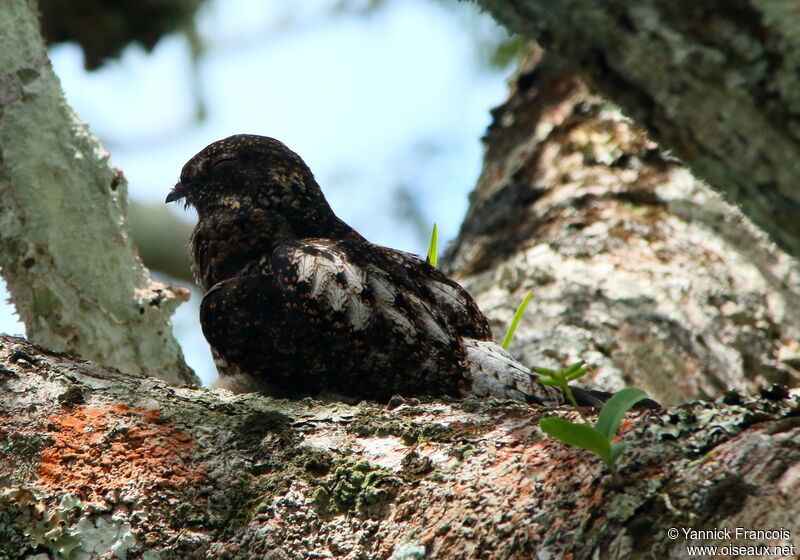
(177, 193)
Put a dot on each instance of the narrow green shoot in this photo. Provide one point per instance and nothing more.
(578, 435)
(561, 379)
(517, 316)
(596, 439)
(432, 246)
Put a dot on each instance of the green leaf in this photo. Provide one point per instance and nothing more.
(544, 370)
(517, 316)
(615, 408)
(580, 372)
(579, 435)
(432, 250)
(617, 447)
(572, 368)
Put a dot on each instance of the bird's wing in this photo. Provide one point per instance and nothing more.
(456, 305)
(318, 280)
(323, 280)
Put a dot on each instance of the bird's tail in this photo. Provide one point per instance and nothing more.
(496, 373)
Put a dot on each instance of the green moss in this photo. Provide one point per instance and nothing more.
(220, 510)
(312, 460)
(359, 488)
(261, 508)
(259, 424)
(338, 485)
(23, 448)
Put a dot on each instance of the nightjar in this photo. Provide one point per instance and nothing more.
(297, 303)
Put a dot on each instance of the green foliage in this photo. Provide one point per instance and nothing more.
(596, 439)
(432, 246)
(561, 378)
(615, 408)
(578, 435)
(517, 316)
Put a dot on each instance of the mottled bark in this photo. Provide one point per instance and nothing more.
(96, 462)
(65, 250)
(717, 82)
(635, 265)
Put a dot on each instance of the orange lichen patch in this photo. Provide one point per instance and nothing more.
(100, 450)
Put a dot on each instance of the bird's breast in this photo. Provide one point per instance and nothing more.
(230, 244)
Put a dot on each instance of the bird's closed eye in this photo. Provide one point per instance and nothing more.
(224, 161)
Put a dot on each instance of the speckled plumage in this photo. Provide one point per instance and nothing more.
(297, 303)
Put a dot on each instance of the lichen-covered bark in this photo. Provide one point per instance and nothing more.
(634, 264)
(717, 82)
(94, 461)
(65, 250)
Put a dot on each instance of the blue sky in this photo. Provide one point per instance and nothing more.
(396, 98)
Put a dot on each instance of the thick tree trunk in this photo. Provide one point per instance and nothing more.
(100, 464)
(717, 82)
(635, 265)
(65, 251)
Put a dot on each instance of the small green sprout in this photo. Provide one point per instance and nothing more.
(561, 379)
(432, 247)
(517, 316)
(597, 439)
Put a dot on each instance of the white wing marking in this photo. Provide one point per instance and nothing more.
(331, 279)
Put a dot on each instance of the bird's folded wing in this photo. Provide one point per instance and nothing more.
(325, 282)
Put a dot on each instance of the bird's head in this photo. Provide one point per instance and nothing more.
(247, 169)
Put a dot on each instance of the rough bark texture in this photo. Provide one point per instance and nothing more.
(635, 265)
(717, 82)
(65, 251)
(100, 464)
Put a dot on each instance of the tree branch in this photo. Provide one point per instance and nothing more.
(716, 82)
(65, 250)
(100, 461)
(635, 265)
